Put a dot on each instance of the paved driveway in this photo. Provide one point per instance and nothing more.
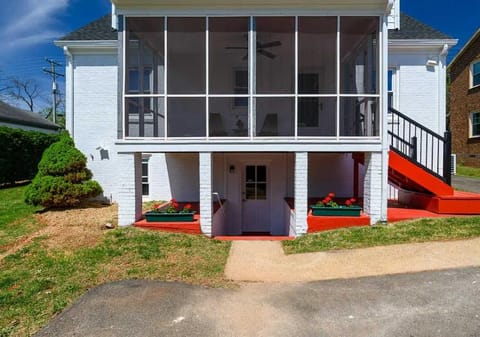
(442, 303)
(466, 184)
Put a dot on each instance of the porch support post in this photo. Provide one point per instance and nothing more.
(375, 191)
(205, 173)
(130, 187)
(301, 192)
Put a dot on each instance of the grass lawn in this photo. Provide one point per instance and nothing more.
(46, 275)
(16, 218)
(403, 232)
(468, 171)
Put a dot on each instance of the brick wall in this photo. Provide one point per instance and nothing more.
(463, 101)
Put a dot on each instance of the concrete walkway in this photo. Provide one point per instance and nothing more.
(264, 261)
(466, 184)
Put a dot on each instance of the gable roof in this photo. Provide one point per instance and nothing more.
(411, 29)
(465, 47)
(15, 115)
(100, 29)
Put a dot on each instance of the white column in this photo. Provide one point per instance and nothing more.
(205, 176)
(130, 188)
(301, 192)
(375, 191)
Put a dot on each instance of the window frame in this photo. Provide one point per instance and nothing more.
(472, 74)
(471, 124)
(145, 178)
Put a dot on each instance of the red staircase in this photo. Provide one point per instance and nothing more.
(415, 168)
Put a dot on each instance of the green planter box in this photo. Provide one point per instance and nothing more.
(336, 211)
(169, 217)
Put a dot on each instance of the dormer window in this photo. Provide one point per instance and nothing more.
(475, 74)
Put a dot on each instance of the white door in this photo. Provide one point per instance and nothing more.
(255, 199)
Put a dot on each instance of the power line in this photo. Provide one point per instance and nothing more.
(52, 71)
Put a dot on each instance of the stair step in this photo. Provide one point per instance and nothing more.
(460, 203)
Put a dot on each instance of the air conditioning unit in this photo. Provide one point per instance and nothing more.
(453, 164)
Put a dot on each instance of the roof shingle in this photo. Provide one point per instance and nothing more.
(411, 29)
(100, 29)
(15, 115)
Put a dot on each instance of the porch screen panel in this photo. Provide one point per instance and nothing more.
(317, 116)
(359, 116)
(359, 51)
(145, 56)
(275, 55)
(186, 117)
(275, 116)
(186, 55)
(227, 118)
(317, 55)
(145, 116)
(228, 55)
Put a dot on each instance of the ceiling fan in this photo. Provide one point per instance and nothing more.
(261, 49)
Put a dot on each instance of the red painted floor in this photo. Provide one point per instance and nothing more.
(400, 214)
(315, 223)
(172, 227)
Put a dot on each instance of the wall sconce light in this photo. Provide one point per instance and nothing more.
(231, 169)
(431, 63)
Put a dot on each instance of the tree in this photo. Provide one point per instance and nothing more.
(25, 91)
(63, 179)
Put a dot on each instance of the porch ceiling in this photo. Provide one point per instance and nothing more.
(351, 5)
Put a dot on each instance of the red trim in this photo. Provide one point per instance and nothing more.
(409, 172)
(458, 203)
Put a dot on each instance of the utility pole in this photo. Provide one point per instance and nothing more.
(54, 74)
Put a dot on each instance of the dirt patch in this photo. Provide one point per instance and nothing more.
(79, 227)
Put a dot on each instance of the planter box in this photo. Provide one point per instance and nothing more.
(336, 211)
(169, 217)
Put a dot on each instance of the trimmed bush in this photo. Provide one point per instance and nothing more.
(20, 153)
(63, 179)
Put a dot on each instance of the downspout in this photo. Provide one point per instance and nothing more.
(390, 6)
(70, 93)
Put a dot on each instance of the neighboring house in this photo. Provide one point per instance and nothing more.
(17, 118)
(464, 102)
(257, 103)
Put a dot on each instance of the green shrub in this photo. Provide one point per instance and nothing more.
(62, 179)
(20, 153)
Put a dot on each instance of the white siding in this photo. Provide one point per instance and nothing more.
(94, 117)
(420, 88)
(331, 172)
(183, 176)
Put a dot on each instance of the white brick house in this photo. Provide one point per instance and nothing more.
(253, 101)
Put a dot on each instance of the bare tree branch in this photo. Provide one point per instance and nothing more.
(25, 91)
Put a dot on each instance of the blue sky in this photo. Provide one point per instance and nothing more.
(28, 31)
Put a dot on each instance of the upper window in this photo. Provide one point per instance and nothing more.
(475, 71)
(475, 124)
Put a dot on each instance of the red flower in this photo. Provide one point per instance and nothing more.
(188, 206)
(331, 195)
(353, 200)
(173, 201)
(156, 206)
(348, 203)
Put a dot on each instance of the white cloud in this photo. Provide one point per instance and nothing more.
(31, 22)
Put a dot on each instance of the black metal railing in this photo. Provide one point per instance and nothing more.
(421, 145)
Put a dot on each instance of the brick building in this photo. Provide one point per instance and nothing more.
(464, 104)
